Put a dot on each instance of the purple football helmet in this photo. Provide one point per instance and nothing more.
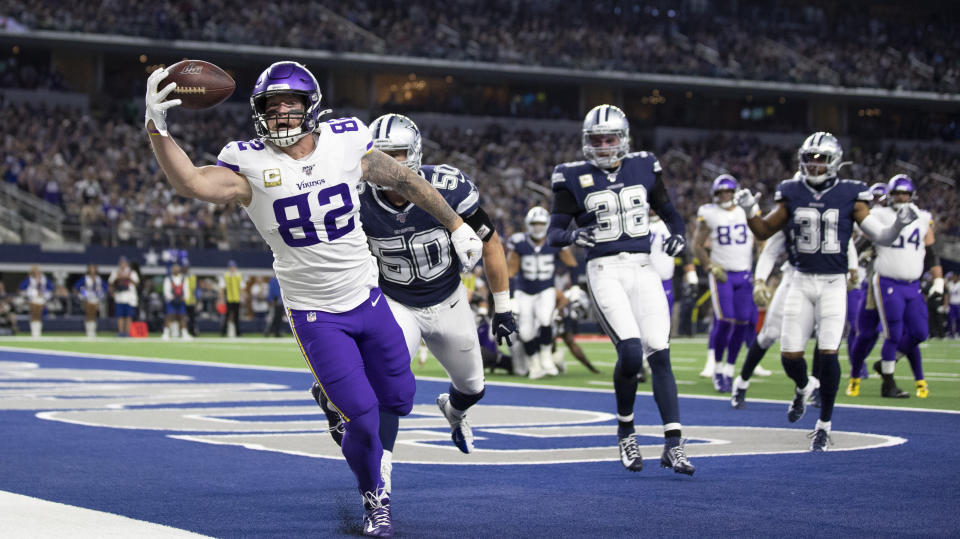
(901, 183)
(286, 78)
(724, 182)
(879, 191)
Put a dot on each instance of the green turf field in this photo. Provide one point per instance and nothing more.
(941, 365)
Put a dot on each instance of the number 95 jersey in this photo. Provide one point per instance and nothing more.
(418, 265)
(615, 201)
(820, 222)
(307, 211)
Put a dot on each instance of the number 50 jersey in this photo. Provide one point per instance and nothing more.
(418, 265)
(618, 202)
(306, 210)
(820, 222)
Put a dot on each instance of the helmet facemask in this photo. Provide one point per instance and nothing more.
(536, 222)
(293, 122)
(724, 183)
(606, 136)
(819, 157)
(395, 133)
(286, 78)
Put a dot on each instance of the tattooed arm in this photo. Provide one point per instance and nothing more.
(381, 169)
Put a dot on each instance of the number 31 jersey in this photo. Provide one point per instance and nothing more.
(418, 265)
(731, 242)
(615, 201)
(820, 222)
(307, 211)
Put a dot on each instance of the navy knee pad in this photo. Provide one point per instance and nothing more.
(629, 357)
(545, 336)
(462, 401)
(531, 348)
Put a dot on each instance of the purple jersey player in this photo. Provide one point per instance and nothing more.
(298, 183)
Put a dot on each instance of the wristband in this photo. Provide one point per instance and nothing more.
(501, 301)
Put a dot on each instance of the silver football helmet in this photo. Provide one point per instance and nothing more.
(396, 132)
(536, 222)
(819, 157)
(605, 120)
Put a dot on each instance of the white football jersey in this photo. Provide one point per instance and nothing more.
(731, 242)
(903, 260)
(307, 210)
(953, 289)
(663, 263)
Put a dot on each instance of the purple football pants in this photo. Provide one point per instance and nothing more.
(903, 312)
(733, 309)
(360, 359)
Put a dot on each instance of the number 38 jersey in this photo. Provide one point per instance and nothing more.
(731, 242)
(307, 211)
(418, 265)
(615, 201)
(903, 259)
(820, 222)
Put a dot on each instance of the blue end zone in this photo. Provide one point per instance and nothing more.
(230, 491)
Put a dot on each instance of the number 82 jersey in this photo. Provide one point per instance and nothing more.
(307, 211)
(618, 202)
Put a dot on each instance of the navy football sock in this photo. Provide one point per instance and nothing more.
(462, 401)
(796, 369)
(829, 383)
(754, 354)
(817, 363)
(664, 386)
(629, 362)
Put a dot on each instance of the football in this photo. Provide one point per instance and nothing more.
(200, 84)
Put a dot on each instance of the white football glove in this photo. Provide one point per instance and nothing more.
(936, 287)
(467, 245)
(156, 108)
(748, 201)
(906, 215)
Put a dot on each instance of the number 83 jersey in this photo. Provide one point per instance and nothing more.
(820, 222)
(616, 201)
(307, 211)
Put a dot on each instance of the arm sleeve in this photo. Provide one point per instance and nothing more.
(880, 233)
(167, 289)
(775, 245)
(931, 258)
(853, 259)
(479, 221)
(660, 202)
(563, 209)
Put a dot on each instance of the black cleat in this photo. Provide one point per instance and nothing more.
(799, 405)
(891, 391)
(738, 399)
(820, 440)
(630, 453)
(676, 458)
(337, 426)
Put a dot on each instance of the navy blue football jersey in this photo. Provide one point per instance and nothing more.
(418, 264)
(537, 264)
(618, 202)
(820, 223)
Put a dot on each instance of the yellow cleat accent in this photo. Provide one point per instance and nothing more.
(853, 388)
(923, 390)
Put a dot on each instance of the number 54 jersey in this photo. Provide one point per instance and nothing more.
(615, 201)
(307, 211)
(820, 222)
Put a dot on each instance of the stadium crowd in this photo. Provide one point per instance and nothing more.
(810, 42)
(100, 172)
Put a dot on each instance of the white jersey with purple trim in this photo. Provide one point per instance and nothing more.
(953, 292)
(731, 242)
(902, 260)
(663, 263)
(307, 210)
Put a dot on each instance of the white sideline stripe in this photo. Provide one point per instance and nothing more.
(25, 516)
(432, 378)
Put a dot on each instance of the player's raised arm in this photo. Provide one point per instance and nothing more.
(767, 225)
(874, 229)
(215, 184)
(381, 169)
